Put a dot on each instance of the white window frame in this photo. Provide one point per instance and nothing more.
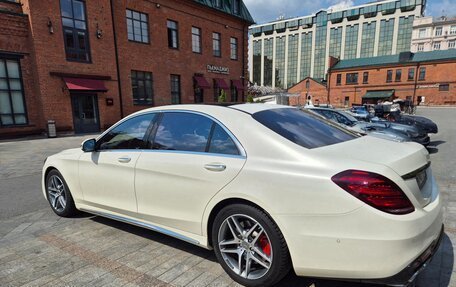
(422, 33)
(437, 46)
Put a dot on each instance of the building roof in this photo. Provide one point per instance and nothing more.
(227, 7)
(323, 83)
(402, 58)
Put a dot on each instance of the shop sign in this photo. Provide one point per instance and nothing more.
(218, 69)
(428, 86)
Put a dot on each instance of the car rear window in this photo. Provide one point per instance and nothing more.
(302, 128)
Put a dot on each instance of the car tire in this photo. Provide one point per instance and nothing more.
(244, 235)
(58, 195)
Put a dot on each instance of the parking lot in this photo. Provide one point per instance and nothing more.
(37, 248)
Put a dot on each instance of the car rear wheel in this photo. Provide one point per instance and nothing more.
(250, 246)
(58, 195)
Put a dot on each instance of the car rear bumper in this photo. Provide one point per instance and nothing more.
(364, 245)
(410, 273)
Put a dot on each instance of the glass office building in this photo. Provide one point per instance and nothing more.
(283, 52)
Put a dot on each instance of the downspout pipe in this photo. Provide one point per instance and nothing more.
(119, 84)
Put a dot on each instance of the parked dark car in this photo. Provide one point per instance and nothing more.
(410, 133)
(420, 122)
(360, 113)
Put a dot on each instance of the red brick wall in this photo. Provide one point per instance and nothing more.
(162, 61)
(15, 37)
(50, 57)
(436, 74)
(318, 92)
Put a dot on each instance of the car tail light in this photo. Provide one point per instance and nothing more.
(375, 190)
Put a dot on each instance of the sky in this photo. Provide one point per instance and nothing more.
(269, 10)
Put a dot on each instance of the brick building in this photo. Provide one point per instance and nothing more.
(426, 78)
(309, 89)
(86, 64)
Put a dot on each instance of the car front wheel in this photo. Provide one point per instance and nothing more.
(58, 195)
(250, 246)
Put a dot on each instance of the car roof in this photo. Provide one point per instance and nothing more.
(246, 108)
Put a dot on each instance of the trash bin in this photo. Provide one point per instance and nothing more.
(52, 133)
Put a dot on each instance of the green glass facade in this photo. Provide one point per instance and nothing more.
(335, 42)
(292, 66)
(351, 41)
(404, 37)
(306, 55)
(320, 45)
(385, 43)
(257, 62)
(280, 62)
(368, 39)
(268, 59)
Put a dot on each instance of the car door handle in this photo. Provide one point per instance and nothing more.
(124, 159)
(215, 166)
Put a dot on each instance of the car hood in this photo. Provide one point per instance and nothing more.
(402, 157)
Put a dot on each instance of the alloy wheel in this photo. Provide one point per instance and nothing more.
(56, 192)
(245, 246)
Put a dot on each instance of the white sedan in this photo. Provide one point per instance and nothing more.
(268, 187)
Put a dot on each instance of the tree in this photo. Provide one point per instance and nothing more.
(222, 97)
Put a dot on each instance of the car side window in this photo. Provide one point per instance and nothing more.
(340, 119)
(221, 142)
(182, 132)
(128, 135)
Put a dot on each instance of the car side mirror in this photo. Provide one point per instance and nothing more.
(89, 145)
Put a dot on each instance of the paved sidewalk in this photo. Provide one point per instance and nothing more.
(38, 248)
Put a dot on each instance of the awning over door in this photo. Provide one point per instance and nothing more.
(221, 84)
(202, 82)
(238, 84)
(378, 94)
(81, 84)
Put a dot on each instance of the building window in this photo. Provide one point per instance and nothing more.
(257, 62)
(268, 57)
(137, 26)
(335, 42)
(411, 74)
(216, 44)
(292, 69)
(306, 55)
(196, 40)
(438, 31)
(389, 76)
(368, 40)
(453, 30)
(75, 34)
(422, 33)
(422, 75)
(12, 105)
(217, 91)
(234, 94)
(175, 89)
(339, 80)
(386, 37)
(280, 62)
(420, 47)
(452, 44)
(437, 46)
(404, 37)
(351, 41)
(444, 87)
(365, 77)
(320, 56)
(351, 78)
(233, 48)
(217, 3)
(142, 87)
(398, 75)
(173, 35)
(236, 7)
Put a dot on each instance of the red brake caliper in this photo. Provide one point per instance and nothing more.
(265, 245)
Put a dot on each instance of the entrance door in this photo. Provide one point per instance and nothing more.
(85, 113)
